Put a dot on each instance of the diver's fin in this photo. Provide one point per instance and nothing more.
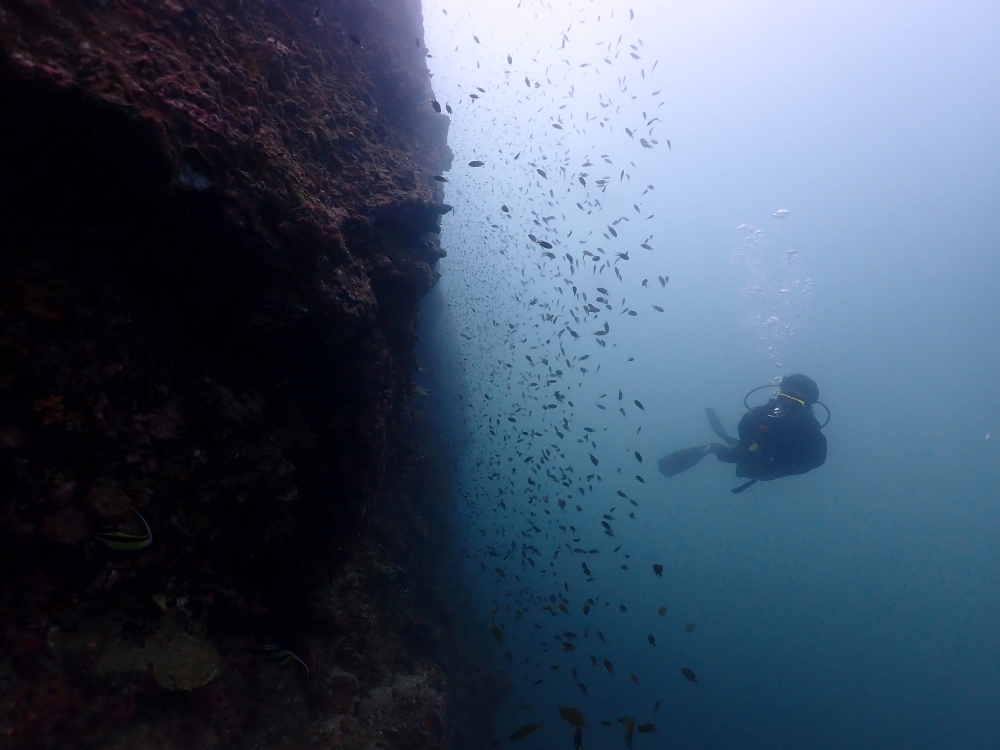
(717, 428)
(682, 460)
(742, 487)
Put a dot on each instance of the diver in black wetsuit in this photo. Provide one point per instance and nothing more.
(780, 438)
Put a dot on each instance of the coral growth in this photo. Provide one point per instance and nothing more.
(219, 220)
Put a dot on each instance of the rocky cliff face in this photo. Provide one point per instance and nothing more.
(218, 218)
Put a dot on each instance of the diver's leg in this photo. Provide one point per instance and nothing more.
(683, 460)
(717, 428)
(728, 454)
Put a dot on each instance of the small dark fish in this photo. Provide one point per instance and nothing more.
(439, 178)
(578, 739)
(498, 634)
(645, 728)
(448, 108)
(572, 715)
(609, 666)
(662, 610)
(638, 403)
(657, 308)
(640, 479)
(622, 607)
(354, 38)
(525, 731)
(629, 723)
(656, 707)
(689, 675)
(638, 456)
(435, 105)
(593, 459)
(568, 646)
(541, 173)
(476, 163)
(634, 679)
(658, 569)
(583, 689)
(546, 245)
(510, 60)
(505, 209)
(652, 640)
(476, 38)
(601, 636)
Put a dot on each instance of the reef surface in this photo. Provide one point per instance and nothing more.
(220, 528)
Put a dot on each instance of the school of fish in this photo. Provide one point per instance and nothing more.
(539, 285)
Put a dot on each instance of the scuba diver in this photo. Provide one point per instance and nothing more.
(778, 439)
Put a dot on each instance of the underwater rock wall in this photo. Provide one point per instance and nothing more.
(218, 220)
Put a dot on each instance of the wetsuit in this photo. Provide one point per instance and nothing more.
(771, 447)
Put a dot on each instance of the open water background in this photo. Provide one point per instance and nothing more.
(855, 606)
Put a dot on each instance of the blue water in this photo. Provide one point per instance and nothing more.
(855, 606)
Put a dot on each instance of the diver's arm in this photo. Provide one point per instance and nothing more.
(814, 454)
(809, 454)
